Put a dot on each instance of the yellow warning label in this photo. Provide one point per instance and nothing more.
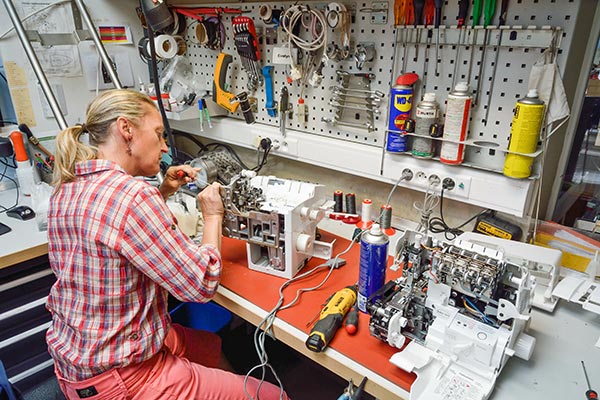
(491, 230)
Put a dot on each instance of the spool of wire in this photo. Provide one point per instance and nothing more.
(338, 207)
(350, 203)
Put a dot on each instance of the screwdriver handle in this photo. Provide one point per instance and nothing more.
(488, 12)
(463, 8)
(351, 324)
(503, 9)
(477, 9)
(438, 13)
(419, 6)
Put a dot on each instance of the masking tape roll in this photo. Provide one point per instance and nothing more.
(201, 35)
(181, 45)
(266, 13)
(165, 45)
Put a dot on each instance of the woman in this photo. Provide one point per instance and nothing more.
(117, 253)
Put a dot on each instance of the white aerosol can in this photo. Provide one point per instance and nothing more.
(456, 125)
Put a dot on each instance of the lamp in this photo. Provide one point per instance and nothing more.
(157, 14)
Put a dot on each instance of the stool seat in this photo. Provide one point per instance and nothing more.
(205, 316)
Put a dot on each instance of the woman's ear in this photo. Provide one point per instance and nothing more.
(123, 127)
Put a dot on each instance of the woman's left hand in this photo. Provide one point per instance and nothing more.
(175, 177)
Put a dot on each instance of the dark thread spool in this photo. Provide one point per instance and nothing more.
(338, 207)
(350, 203)
(386, 216)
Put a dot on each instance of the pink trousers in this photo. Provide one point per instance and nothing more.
(182, 370)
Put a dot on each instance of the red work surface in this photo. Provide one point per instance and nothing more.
(262, 290)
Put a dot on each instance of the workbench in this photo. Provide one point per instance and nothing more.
(564, 338)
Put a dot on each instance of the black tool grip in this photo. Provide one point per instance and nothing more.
(463, 10)
(503, 10)
(419, 6)
(323, 332)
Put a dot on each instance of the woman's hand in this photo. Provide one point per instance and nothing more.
(175, 177)
(212, 213)
(210, 201)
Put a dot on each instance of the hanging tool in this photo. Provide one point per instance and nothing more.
(590, 394)
(477, 9)
(463, 9)
(353, 392)
(219, 95)
(488, 15)
(436, 23)
(246, 43)
(35, 141)
(206, 113)
(284, 109)
(429, 15)
(331, 318)
(501, 22)
(418, 7)
(271, 104)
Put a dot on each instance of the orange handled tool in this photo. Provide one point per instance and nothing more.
(17, 140)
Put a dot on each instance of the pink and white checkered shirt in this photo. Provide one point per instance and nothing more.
(116, 250)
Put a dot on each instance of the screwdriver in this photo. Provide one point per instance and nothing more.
(351, 324)
(463, 9)
(488, 16)
(501, 22)
(330, 319)
(590, 394)
(437, 20)
(418, 7)
(477, 9)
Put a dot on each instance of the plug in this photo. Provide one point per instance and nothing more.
(407, 174)
(265, 143)
(448, 184)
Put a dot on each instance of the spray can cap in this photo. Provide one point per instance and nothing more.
(429, 97)
(533, 93)
(375, 230)
(462, 87)
(19, 146)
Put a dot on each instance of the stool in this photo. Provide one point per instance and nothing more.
(205, 316)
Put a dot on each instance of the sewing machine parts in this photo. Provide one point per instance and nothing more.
(278, 220)
(465, 309)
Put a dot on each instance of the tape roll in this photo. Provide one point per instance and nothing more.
(143, 48)
(266, 13)
(201, 35)
(181, 45)
(166, 47)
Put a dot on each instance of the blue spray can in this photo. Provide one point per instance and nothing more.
(401, 99)
(373, 263)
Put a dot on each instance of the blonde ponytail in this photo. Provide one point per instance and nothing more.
(101, 114)
(69, 151)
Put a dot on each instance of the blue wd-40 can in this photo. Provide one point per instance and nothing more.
(373, 262)
(401, 99)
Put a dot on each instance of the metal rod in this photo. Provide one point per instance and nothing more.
(108, 64)
(35, 64)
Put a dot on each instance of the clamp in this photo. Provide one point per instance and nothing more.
(271, 104)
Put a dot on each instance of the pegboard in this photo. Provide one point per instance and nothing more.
(489, 138)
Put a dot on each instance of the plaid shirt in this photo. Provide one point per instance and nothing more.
(116, 250)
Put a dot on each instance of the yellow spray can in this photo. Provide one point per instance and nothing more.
(524, 135)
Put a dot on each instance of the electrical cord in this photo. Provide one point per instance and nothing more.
(265, 327)
(430, 201)
(191, 138)
(3, 175)
(439, 225)
(161, 107)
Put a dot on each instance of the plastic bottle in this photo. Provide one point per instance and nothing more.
(24, 169)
